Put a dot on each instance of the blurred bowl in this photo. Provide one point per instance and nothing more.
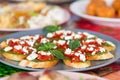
(79, 8)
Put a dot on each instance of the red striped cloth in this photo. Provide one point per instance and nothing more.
(111, 31)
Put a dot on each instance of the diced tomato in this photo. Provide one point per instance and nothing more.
(83, 37)
(65, 46)
(44, 57)
(39, 39)
(18, 51)
(25, 44)
(11, 43)
(57, 35)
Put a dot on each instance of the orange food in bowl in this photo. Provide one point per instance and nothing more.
(107, 12)
(116, 4)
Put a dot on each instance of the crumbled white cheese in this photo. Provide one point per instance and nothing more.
(26, 37)
(94, 52)
(30, 42)
(8, 48)
(88, 35)
(48, 53)
(90, 48)
(50, 35)
(25, 50)
(35, 37)
(99, 41)
(44, 40)
(91, 45)
(54, 41)
(102, 49)
(68, 51)
(84, 47)
(82, 57)
(42, 52)
(77, 54)
(89, 41)
(22, 42)
(61, 42)
(32, 56)
(18, 47)
(68, 37)
(77, 36)
(60, 31)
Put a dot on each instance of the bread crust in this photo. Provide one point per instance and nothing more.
(110, 48)
(104, 56)
(42, 64)
(16, 57)
(3, 44)
(76, 64)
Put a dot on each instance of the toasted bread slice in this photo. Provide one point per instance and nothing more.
(76, 64)
(104, 56)
(40, 64)
(16, 57)
(3, 44)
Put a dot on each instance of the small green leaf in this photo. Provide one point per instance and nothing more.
(74, 44)
(51, 28)
(46, 46)
(58, 54)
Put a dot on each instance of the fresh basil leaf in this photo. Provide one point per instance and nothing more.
(57, 54)
(74, 44)
(46, 46)
(51, 28)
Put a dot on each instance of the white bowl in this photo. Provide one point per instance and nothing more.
(79, 8)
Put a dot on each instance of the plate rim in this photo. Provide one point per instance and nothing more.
(75, 69)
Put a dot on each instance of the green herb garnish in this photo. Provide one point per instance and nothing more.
(57, 54)
(51, 28)
(46, 46)
(74, 44)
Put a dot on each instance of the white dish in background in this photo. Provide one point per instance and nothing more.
(78, 76)
(61, 17)
(79, 8)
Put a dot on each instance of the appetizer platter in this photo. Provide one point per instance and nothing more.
(51, 75)
(32, 15)
(56, 48)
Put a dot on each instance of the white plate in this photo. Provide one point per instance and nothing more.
(70, 75)
(64, 20)
(79, 8)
